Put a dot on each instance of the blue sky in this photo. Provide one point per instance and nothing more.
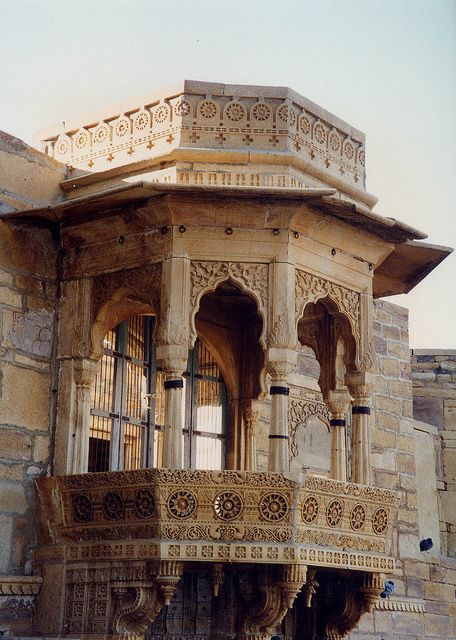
(387, 67)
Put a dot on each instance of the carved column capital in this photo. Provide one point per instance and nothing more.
(172, 359)
(338, 402)
(84, 372)
(360, 384)
(280, 363)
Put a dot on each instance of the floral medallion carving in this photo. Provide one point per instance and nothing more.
(273, 507)
(161, 114)
(144, 503)
(182, 504)
(182, 107)
(310, 508)
(304, 125)
(320, 133)
(113, 506)
(334, 513)
(349, 150)
(235, 111)
(208, 109)
(357, 517)
(141, 120)
(122, 126)
(261, 111)
(380, 521)
(228, 505)
(82, 508)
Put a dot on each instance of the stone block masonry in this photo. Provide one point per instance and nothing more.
(27, 317)
(411, 438)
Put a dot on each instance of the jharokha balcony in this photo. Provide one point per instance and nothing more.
(140, 530)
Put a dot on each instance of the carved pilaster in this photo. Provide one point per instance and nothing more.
(84, 372)
(251, 425)
(281, 363)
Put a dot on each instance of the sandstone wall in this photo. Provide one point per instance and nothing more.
(406, 457)
(28, 291)
(434, 402)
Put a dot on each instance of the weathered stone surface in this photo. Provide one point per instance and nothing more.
(428, 409)
(24, 400)
(16, 445)
(12, 498)
(6, 527)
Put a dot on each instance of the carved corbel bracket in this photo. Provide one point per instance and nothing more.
(272, 599)
(137, 603)
(135, 607)
(357, 600)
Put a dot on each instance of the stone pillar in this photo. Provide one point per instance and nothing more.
(338, 403)
(172, 352)
(84, 372)
(279, 370)
(361, 390)
(174, 416)
(281, 359)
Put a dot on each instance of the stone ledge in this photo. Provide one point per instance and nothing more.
(20, 585)
(398, 604)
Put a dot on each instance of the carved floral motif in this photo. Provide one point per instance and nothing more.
(310, 288)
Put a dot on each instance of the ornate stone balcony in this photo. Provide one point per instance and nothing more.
(217, 516)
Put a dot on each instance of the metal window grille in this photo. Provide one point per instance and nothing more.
(204, 437)
(127, 400)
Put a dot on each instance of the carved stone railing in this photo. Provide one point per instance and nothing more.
(261, 120)
(217, 516)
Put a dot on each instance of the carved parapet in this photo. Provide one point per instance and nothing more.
(222, 118)
(223, 516)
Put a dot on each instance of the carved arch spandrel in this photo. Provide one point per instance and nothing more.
(310, 288)
(252, 278)
(117, 296)
(136, 607)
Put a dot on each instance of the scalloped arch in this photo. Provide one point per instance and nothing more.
(251, 278)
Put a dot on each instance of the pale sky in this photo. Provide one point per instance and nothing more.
(388, 67)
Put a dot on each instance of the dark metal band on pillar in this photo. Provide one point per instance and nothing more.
(174, 384)
(337, 422)
(279, 391)
(275, 436)
(361, 410)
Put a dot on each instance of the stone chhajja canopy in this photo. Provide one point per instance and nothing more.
(237, 216)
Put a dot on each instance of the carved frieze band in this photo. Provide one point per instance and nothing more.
(311, 288)
(220, 506)
(213, 121)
